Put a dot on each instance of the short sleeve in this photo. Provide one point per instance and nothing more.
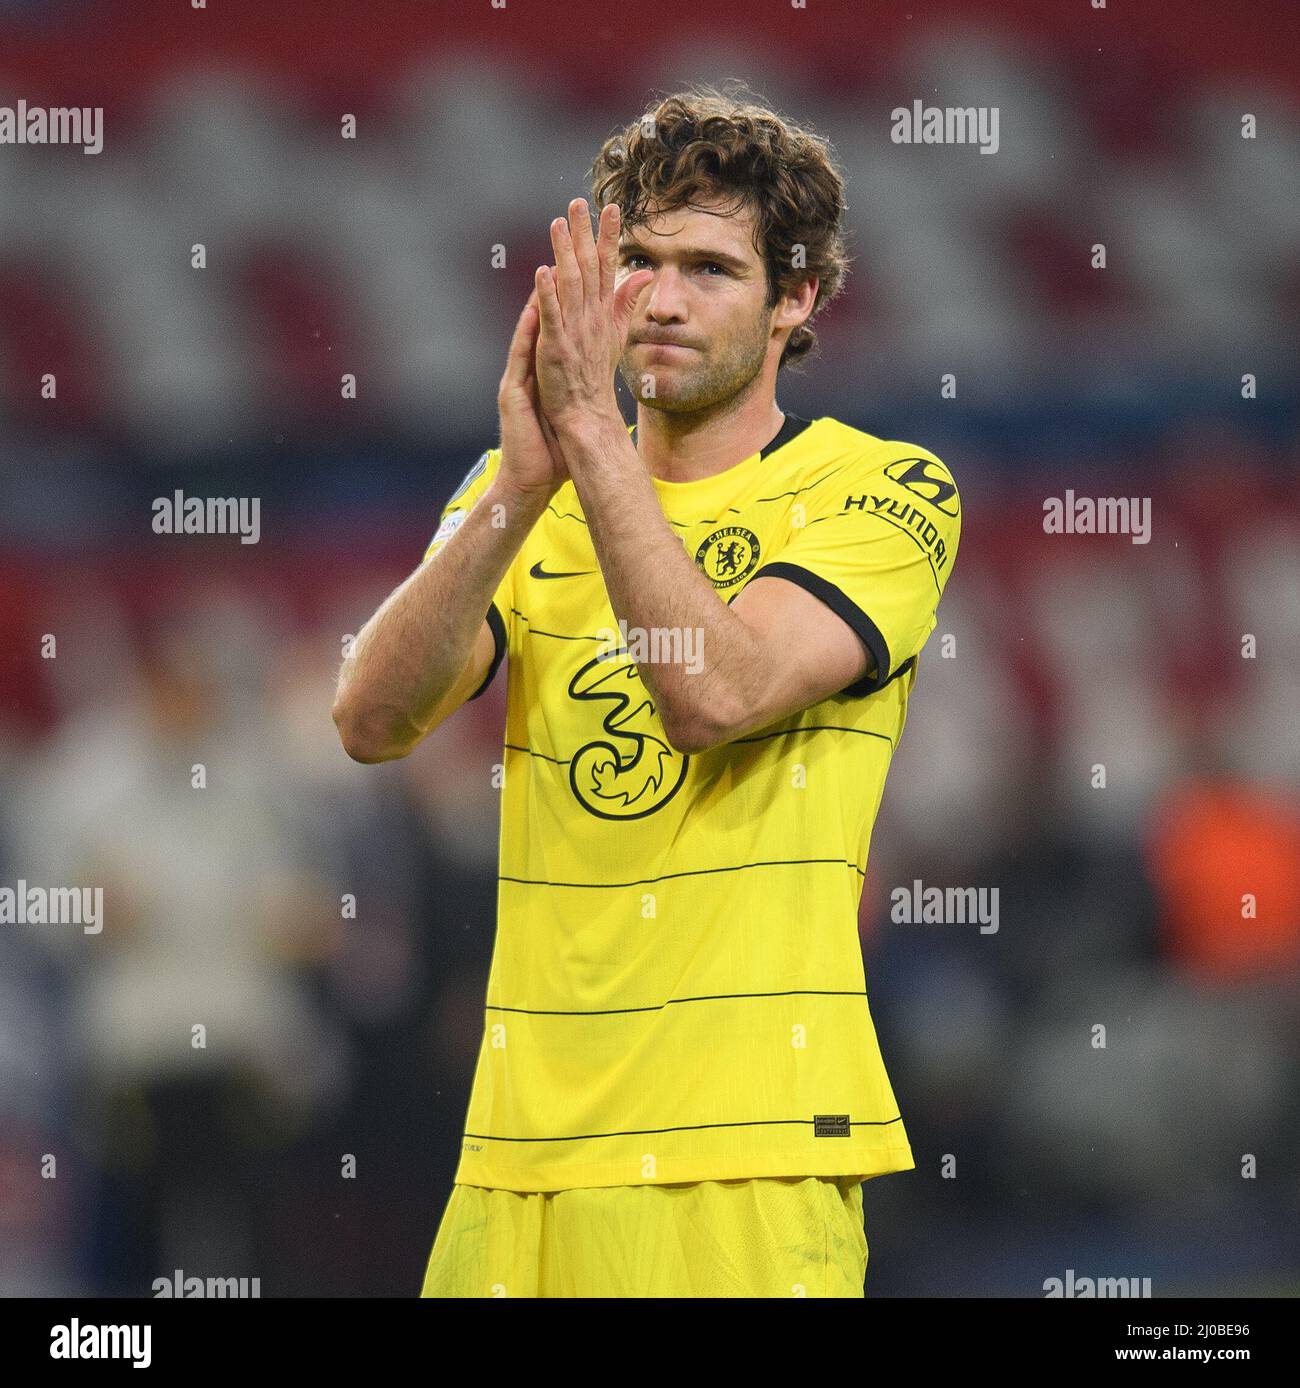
(877, 547)
(462, 501)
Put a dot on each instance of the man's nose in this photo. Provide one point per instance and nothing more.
(665, 296)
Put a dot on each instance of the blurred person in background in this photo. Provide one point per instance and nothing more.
(190, 1016)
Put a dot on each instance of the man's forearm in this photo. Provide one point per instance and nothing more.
(654, 585)
(408, 657)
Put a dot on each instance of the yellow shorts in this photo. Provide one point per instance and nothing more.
(779, 1236)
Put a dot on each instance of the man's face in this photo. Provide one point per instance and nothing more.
(702, 328)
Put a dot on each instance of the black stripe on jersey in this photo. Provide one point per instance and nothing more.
(690, 1128)
(541, 756)
(898, 525)
(814, 728)
(690, 872)
(566, 515)
(798, 491)
(730, 511)
(758, 737)
(847, 610)
(499, 643)
(659, 1006)
(558, 636)
(602, 640)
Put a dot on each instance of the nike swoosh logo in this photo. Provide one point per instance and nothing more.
(538, 572)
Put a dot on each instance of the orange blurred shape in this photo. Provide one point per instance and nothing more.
(1214, 845)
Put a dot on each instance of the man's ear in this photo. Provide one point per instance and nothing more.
(805, 298)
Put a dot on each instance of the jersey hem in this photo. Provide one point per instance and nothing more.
(683, 1171)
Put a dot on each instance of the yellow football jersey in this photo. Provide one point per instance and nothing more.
(677, 990)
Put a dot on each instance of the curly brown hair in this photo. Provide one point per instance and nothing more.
(705, 143)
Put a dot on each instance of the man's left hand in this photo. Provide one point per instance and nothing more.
(586, 311)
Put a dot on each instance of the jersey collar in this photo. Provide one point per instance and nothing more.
(793, 426)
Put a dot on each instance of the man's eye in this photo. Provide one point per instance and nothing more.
(629, 259)
(713, 265)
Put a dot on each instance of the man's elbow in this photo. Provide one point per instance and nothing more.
(693, 731)
(368, 738)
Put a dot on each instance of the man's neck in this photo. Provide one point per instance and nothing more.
(687, 447)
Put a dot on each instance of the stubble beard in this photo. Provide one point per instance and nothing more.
(715, 381)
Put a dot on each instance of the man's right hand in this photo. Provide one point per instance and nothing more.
(532, 463)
